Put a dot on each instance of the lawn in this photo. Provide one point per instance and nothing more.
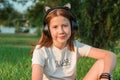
(15, 60)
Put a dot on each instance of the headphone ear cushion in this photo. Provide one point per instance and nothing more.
(46, 30)
(74, 25)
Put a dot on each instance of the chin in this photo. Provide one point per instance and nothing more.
(62, 41)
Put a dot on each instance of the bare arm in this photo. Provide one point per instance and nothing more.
(108, 57)
(37, 72)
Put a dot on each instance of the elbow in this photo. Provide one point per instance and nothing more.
(113, 55)
(113, 58)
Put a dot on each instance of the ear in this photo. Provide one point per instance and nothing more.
(68, 5)
(47, 8)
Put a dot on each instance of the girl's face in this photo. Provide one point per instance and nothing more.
(60, 30)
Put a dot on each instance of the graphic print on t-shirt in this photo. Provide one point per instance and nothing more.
(62, 58)
(64, 62)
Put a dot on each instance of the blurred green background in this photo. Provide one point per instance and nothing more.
(20, 27)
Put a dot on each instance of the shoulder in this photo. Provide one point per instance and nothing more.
(79, 44)
(82, 49)
(40, 50)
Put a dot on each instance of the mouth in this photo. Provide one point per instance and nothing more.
(62, 37)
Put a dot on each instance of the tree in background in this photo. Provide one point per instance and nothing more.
(99, 22)
(5, 10)
(35, 14)
(8, 15)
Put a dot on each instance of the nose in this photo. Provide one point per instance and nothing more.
(61, 30)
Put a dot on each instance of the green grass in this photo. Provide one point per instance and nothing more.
(14, 63)
(15, 60)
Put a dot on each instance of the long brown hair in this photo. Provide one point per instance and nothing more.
(46, 39)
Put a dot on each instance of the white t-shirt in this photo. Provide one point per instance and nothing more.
(59, 64)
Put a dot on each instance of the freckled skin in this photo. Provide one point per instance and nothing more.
(60, 29)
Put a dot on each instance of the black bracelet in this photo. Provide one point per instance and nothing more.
(105, 76)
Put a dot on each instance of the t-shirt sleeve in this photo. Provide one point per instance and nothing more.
(82, 49)
(38, 57)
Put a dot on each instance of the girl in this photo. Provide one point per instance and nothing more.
(57, 52)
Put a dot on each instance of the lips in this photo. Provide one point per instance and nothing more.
(62, 37)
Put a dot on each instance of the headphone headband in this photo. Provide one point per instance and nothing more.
(51, 9)
(59, 7)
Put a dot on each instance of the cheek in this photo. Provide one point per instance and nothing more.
(69, 31)
(53, 34)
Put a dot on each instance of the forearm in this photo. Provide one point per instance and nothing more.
(109, 62)
(37, 72)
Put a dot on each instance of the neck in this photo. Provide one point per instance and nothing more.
(60, 46)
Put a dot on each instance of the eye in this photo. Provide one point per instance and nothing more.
(65, 25)
(54, 26)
